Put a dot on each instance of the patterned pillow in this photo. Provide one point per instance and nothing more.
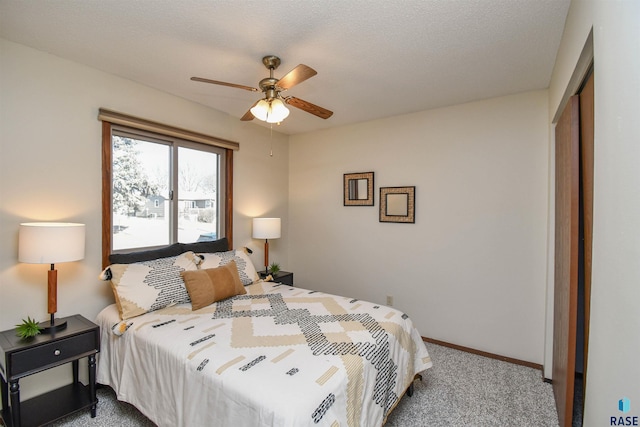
(146, 286)
(246, 270)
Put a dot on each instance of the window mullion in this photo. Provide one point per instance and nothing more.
(174, 193)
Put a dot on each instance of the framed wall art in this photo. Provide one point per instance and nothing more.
(358, 189)
(398, 204)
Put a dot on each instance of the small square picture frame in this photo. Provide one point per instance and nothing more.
(358, 189)
(398, 204)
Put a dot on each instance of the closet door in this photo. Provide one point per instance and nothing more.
(586, 148)
(566, 258)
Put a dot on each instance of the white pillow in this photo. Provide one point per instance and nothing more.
(246, 270)
(146, 286)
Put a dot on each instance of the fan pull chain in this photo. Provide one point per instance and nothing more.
(271, 149)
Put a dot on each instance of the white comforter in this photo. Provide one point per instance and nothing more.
(278, 356)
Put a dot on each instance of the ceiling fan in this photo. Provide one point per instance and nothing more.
(271, 108)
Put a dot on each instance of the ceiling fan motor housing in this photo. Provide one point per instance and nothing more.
(268, 86)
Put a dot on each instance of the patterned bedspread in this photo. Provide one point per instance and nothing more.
(277, 356)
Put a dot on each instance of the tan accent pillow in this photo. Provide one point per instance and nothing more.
(213, 284)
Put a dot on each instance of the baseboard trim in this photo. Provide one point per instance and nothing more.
(484, 353)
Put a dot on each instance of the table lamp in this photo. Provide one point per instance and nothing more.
(51, 243)
(266, 228)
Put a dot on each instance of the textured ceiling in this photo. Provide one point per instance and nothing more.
(375, 58)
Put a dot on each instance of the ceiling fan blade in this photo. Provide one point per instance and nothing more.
(248, 116)
(216, 82)
(295, 76)
(323, 113)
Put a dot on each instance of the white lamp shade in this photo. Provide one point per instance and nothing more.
(51, 242)
(266, 228)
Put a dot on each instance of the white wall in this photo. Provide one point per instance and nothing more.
(50, 169)
(472, 269)
(613, 371)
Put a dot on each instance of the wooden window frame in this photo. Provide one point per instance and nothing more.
(110, 118)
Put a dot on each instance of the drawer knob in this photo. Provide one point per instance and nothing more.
(56, 353)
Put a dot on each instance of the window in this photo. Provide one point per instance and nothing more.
(147, 168)
(160, 189)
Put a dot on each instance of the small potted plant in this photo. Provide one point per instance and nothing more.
(28, 328)
(274, 268)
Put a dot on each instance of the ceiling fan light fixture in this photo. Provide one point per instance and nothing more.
(277, 111)
(270, 111)
(260, 110)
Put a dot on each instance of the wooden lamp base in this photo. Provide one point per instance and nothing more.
(266, 256)
(52, 303)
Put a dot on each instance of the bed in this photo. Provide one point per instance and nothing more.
(268, 355)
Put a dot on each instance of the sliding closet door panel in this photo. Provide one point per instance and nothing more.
(586, 146)
(566, 258)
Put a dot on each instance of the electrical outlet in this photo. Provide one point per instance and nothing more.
(390, 300)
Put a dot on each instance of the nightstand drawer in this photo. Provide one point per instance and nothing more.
(51, 354)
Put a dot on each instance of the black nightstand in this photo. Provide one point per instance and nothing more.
(20, 358)
(284, 277)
